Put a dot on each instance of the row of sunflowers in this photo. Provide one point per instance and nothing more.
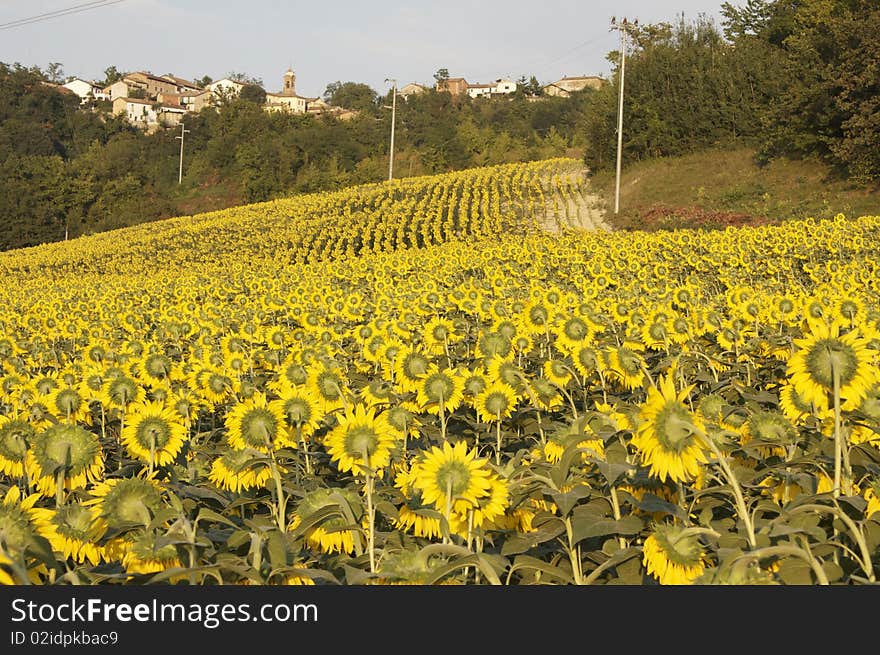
(410, 384)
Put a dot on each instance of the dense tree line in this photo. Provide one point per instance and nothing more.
(795, 78)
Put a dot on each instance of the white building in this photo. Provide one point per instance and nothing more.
(411, 89)
(225, 88)
(496, 88)
(136, 111)
(86, 90)
(119, 89)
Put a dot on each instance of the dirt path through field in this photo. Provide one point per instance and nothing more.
(580, 209)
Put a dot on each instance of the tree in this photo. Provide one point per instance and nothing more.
(203, 81)
(441, 74)
(242, 78)
(253, 93)
(351, 95)
(111, 75)
(55, 72)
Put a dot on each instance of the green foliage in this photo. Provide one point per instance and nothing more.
(351, 95)
(253, 93)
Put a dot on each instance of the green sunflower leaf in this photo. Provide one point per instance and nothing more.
(585, 528)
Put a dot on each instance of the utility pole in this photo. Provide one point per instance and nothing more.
(182, 133)
(393, 117)
(621, 28)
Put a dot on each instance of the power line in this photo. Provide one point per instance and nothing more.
(75, 9)
(542, 65)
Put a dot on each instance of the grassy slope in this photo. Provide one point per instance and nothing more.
(725, 186)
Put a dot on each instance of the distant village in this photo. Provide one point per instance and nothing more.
(152, 101)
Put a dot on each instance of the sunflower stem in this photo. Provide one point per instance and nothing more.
(305, 446)
(119, 440)
(280, 500)
(574, 558)
(498, 441)
(152, 451)
(442, 419)
(371, 511)
(615, 506)
(838, 442)
(448, 511)
(737, 491)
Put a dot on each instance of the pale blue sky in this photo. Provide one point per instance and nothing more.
(326, 41)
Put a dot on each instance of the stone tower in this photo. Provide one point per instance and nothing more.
(289, 88)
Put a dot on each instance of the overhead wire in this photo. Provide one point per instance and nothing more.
(75, 9)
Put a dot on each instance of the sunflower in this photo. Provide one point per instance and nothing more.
(674, 555)
(491, 507)
(256, 423)
(795, 407)
(494, 345)
(557, 372)
(155, 368)
(410, 367)
(153, 432)
(625, 365)
(536, 316)
(123, 503)
(872, 496)
(15, 437)
(145, 552)
(573, 332)
(299, 409)
(362, 439)
(584, 359)
(335, 533)
(187, 405)
(16, 524)
(452, 478)
(327, 387)
(402, 420)
(825, 355)
(72, 530)
(240, 470)
(440, 388)
(67, 452)
(437, 334)
(215, 385)
(771, 432)
(545, 394)
(495, 402)
(69, 404)
(506, 371)
(120, 391)
(378, 391)
(668, 434)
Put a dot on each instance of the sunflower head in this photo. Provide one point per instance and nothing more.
(674, 555)
(669, 435)
(361, 441)
(67, 452)
(495, 402)
(240, 470)
(256, 423)
(16, 435)
(154, 432)
(123, 503)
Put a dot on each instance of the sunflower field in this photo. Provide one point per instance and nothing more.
(418, 382)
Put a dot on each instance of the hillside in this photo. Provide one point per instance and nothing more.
(726, 186)
(442, 380)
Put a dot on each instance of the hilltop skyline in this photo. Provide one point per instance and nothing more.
(327, 43)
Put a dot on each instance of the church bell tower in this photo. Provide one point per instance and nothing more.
(289, 88)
